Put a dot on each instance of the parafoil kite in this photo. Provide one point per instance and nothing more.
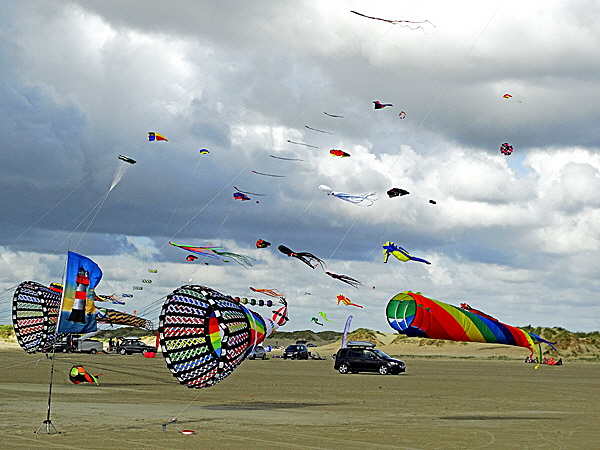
(392, 249)
(324, 316)
(316, 320)
(335, 152)
(261, 243)
(137, 288)
(79, 375)
(241, 196)
(152, 270)
(360, 200)
(204, 151)
(397, 192)
(307, 258)
(346, 279)
(152, 136)
(146, 281)
(413, 314)
(204, 334)
(35, 311)
(121, 170)
(406, 23)
(506, 96)
(346, 301)
(127, 295)
(506, 149)
(320, 131)
(191, 258)
(332, 115)
(379, 105)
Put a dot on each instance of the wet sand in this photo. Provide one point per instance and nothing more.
(440, 403)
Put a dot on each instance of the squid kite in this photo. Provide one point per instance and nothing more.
(360, 200)
(332, 115)
(341, 153)
(346, 279)
(302, 143)
(152, 136)
(392, 249)
(268, 174)
(307, 258)
(346, 301)
(286, 159)
(379, 105)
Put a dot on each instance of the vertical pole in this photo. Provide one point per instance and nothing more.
(48, 422)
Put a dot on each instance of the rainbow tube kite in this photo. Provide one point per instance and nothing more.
(414, 315)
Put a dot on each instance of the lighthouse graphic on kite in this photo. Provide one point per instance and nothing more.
(83, 281)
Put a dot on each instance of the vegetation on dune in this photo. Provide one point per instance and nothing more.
(307, 335)
(7, 332)
(364, 334)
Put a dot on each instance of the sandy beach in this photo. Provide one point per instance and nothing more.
(451, 397)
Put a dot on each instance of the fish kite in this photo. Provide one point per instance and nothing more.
(392, 249)
(324, 316)
(261, 243)
(415, 315)
(345, 278)
(340, 153)
(406, 23)
(379, 105)
(346, 301)
(316, 320)
(152, 136)
(307, 258)
(360, 200)
(506, 149)
(397, 192)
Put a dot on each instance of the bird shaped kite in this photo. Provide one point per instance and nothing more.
(392, 249)
(379, 105)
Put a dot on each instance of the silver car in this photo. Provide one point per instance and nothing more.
(258, 352)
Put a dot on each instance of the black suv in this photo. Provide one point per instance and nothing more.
(362, 356)
(296, 351)
(127, 346)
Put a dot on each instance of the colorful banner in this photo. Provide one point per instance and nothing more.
(346, 330)
(78, 312)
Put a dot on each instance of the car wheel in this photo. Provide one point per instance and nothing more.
(264, 357)
(65, 350)
(384, 369)
(123, 351)
(344, 368)
(93, 351)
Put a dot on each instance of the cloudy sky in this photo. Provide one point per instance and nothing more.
(517, 237)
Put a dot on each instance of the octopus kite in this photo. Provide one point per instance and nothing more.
(307, 258)
(345, 278)
(346, 301)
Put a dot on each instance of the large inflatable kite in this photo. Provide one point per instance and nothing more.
(414, 315)
(205, 335)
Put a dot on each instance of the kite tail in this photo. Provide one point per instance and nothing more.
(551, 344)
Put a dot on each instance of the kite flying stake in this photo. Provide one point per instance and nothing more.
(164, 425)
(48, 423)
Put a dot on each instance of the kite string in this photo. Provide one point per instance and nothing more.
(187, 406)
